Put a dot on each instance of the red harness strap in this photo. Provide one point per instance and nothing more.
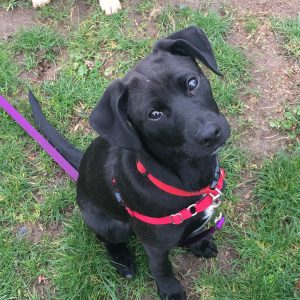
(168, 188)
(210, 197)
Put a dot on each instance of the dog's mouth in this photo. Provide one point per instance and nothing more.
(208, 151)
(217, 150)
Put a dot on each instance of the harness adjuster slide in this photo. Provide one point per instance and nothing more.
(192, 209)
(173, 220)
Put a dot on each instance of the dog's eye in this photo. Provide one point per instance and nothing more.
(192, 83)
(155, 115)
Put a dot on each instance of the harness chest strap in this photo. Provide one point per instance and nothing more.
(211, 197)
(168, 188)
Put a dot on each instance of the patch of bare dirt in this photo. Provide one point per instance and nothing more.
(285, 8)
(196, 4)
(188, 268)
(54, 229)
(226, 256)
(34, 232)
(145, 24)
(68, 211)
(79, 12)
(280, 8)
(45, 69)
(43, 287)
(13, 20)
(272, 87)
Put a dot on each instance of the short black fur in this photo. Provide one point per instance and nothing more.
(178, 146)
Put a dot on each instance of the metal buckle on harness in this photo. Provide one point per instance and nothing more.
(192, 207)
(215, 198)
(173, 220)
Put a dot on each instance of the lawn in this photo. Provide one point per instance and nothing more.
(46, 250)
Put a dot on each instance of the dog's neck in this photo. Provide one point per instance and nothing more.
(195, 173)
(179, 170)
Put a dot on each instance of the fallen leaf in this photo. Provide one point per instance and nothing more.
(248, 195)
(76, 127)
(89, 64)
(297, 284)
(41, 279)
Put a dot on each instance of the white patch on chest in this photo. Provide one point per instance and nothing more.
(209, 212)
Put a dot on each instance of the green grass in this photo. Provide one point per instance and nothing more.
(36, 44)
(290, 122)
(288, 31)
(11, 4)
(56, 13)
(114, 48)
(8, 73)
(251, 23)
(34, 191)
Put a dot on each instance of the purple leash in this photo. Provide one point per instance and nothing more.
(56, 156)
(210, 231)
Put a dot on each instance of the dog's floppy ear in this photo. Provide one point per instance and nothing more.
(110, 120)
(193, 42)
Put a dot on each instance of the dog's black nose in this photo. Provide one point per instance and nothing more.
(208, 135)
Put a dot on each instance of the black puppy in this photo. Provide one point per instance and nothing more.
(160, 129)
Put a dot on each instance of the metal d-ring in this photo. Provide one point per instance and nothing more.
(194, 207)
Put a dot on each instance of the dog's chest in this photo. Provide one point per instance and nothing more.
(209, 212)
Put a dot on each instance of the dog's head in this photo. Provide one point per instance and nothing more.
(165, 103)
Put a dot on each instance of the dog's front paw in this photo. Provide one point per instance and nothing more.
(110, 6)
(204, 248)
(171, 289)
(39, 3)
(122, 259)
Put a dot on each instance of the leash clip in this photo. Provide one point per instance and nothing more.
(219, 221)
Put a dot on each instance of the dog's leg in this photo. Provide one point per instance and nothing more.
(122, 258)
(110, 6)
(204, 248)
(168, 286)
(114, 234)
(40, 3)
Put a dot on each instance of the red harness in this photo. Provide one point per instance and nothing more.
(210, 196)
